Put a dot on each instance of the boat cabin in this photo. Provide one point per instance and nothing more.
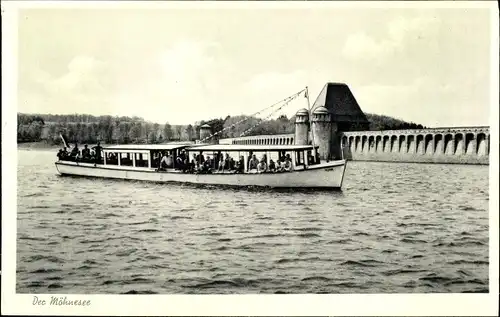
(299, 156)
(142, 156)
(213, 158)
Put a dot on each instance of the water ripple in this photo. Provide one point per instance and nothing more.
(392, 229)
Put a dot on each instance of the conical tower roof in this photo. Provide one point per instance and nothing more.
(341, 104)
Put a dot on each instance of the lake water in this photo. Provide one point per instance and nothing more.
(395, 228)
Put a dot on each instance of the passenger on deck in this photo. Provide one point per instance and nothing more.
(86, 153)
(262, 167)
(163, 162)
(310, 158)
(98, 149)
(231, 164)
(170, 160)
(240, 165)
(272, 166)
(186, 163)
(193, 165)
(288, 167)
(252, 164)
(179, 162)
(112, 158)
(280, 163)
(198, 163)
(227, 162)
(61, 155)
(75, 151)
(220, 164)
(207, 165)
(209, 162)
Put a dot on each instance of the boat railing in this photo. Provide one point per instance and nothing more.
(81, 160)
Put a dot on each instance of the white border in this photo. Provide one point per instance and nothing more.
(255, 4)
(225, 305)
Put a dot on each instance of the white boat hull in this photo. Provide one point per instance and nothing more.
(325, 175)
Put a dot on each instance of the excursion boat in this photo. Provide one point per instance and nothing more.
(142, 163)
(300, 166)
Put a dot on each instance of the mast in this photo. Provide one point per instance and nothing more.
(310, 122)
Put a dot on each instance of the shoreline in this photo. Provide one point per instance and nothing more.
(42, 145)
(37, 146)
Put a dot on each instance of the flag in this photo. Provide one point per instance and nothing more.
(64, 141)
(306, 95)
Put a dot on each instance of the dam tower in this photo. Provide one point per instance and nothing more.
(302, 127)
(322, 131)
(205, 132)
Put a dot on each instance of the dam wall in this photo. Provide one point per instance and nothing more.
(450, 145)
(464, 145)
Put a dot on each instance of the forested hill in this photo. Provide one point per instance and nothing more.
(85, 128)
(379, 123)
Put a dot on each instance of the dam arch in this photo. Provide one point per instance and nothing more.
(378, 144)
(465, 145)
(469, 144)
(438, 144)
(402, 144)
(394, 144)
(449, 148)
(386, 144)
(481, 144)
(410, 144)
(429, 144)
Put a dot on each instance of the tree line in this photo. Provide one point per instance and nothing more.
(380, 123)
(83, 128)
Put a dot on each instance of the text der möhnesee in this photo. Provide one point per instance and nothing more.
(60, 301)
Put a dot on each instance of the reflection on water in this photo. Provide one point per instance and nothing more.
(395, 228)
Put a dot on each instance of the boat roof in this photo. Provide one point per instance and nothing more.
(248, 147)
(142, 147)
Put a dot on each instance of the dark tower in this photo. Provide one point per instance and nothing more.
(205, 132)
(322, 131)
(302, 127)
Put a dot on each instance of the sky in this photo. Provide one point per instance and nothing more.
(429, 66)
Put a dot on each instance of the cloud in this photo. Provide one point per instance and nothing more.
(422, 68)
(401, 35)
(187, 73)
(189, 81)
(176, 78)
(186, 63)
(83, 77)
(272, 81)
(264, 89)
(80, 89)
(360, 46)
(425, 100)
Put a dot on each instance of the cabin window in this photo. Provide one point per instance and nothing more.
(126, 159)
(214, 156)
(274, 156)
(226, 160)
(141, 160)
(111, 158)
(300, 157)
(308, 157)
(155, 159)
